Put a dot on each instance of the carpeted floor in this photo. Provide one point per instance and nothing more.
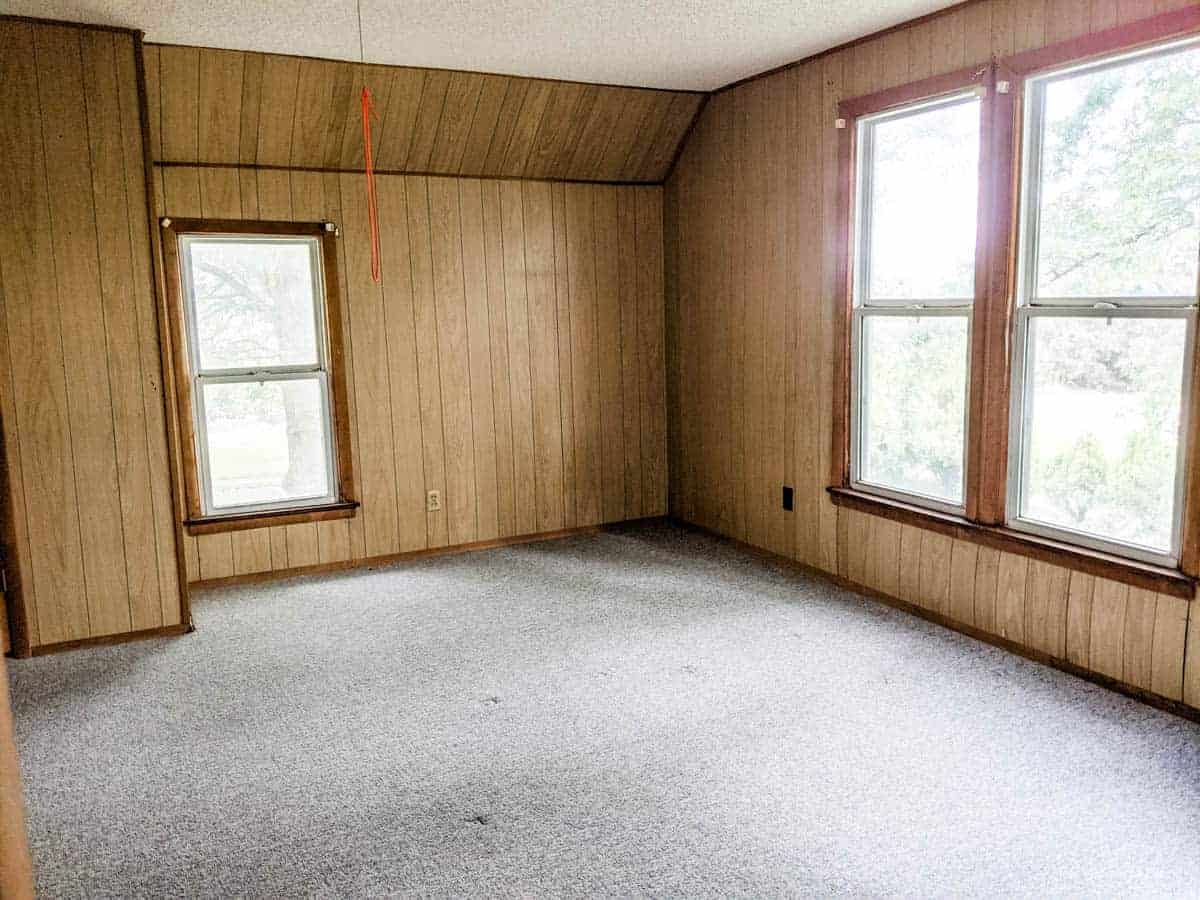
(643, 712)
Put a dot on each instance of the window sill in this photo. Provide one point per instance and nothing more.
(294, 516)
(1160, 579)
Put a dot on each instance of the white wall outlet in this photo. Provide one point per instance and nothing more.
(433, 501)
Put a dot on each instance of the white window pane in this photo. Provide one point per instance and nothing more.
(254, 303)
(1103, 401)
(1120, 210)
(913, 380)
(924, 187)
(266, 441)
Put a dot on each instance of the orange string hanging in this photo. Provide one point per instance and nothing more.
(372, 206)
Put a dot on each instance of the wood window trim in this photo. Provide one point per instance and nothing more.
(989, 391)
(849, 112)
(339, 407)
(1017, 70)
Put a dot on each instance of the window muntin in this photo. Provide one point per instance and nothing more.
(258, 361)
(1107, 290)
(917, 180)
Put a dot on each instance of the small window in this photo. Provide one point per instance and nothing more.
(259, 390)
(1107, 290)
(914, 289)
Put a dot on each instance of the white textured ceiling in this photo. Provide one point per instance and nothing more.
(681, 44)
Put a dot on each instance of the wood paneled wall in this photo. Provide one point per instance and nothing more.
(751, 214)
(228, 106)
(512, 357)
(88, 505)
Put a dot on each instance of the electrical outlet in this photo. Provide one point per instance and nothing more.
(433, 501)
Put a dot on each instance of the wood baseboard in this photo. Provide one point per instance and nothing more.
(1175, 707)
(390, 558)
(105, 640)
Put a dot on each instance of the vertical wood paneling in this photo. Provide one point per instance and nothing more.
(543, 354)
(277, 109)
(229, 106)
(934, 584)
(407, 478)
(121, 346)
(219, 98)
(1107, 644)
(1079, 619)
(1138, 642)
(1191, 670)
(425, 317)
(399, 120)
(80, 391)
(454, 364)
(566, 397)
(964, 558)
(463, 361)
(519, 372)
(493, 254)
(652, 349)
(146, 312)
(41, 453)
(751, 325)
(475, 279)
(585, 381)
(82, 328)
(376, 473)
(1170, 637)
(1046, 608)
(608, 321)
(630, 366)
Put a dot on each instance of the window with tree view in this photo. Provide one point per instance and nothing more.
(914, 289)
(254, 310)
(1107, 291)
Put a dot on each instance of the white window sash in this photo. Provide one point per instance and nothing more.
(317, 371)
(859, 402)
(1030, 305)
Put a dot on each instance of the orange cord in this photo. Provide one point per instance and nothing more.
(372, 205)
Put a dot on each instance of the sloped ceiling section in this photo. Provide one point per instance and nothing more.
(244, 108)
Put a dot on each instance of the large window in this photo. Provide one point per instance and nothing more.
(1107, 281)
(916, 180)
(260, 392)
(1021, 289)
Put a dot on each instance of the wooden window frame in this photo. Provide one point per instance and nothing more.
(849, 114)
(196, 521)
(990, 388)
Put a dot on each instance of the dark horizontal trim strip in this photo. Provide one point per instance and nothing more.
(243, 226)
(334, 170)
(1091, 562)
(294, 516)
(106, 640)
(1175, 707)
(356, 63)
(135, 33)
(854, 42)
(925, 89)
(1163, 27)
